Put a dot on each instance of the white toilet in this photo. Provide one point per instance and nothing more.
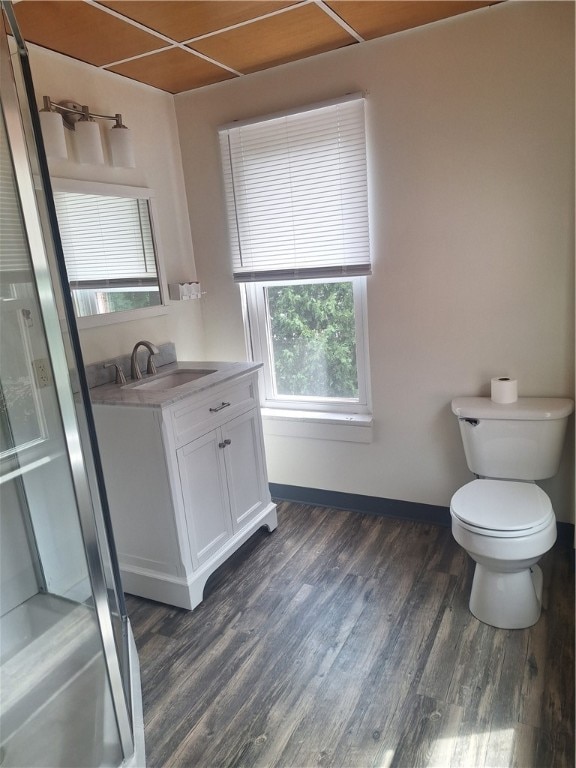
(504, 520)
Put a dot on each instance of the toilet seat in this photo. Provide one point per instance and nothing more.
(501, 508)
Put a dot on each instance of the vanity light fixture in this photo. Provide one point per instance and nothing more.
(54, 116)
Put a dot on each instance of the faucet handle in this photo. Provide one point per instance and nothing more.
(120, 378)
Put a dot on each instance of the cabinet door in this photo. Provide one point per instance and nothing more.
(244, 463)
(203, 477)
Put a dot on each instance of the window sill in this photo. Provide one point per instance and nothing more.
(348, 427)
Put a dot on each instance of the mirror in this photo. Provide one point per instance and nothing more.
(110, 250)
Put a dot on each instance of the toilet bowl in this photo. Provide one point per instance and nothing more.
(503, 519)
(505, 526)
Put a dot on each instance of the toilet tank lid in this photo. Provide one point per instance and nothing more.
(525, 408)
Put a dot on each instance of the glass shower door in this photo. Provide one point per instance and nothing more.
(65, 688)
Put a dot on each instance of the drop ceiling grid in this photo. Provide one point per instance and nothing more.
(301, 32)
(68, 27)
(232, 47)
(82, 31)
(150, 41)
(191, 15)
(173, 70)
(377, 19)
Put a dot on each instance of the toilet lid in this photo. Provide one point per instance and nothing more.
(503, 506)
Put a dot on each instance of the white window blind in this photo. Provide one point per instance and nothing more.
(296, 194)
(15, 264)
(106, 240)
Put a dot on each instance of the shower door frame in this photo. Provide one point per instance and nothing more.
(18, 107)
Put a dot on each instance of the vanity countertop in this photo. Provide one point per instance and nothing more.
(112, 394)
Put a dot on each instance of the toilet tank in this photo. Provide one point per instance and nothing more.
(517, 441)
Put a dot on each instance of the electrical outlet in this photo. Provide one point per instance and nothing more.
(42, 372)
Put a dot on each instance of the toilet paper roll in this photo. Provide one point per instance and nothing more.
(504, 390)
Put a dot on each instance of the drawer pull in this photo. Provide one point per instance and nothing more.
(219, 407)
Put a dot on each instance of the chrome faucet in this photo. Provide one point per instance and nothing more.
(151, 367)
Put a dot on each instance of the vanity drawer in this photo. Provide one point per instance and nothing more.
(221, 404)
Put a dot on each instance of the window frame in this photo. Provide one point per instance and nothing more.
(256, 324)
(77, 186)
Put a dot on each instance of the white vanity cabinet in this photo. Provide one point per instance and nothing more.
(223, 485)
(186, 484)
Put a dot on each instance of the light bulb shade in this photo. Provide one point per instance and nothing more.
(121, 147)
(53, 135)
(88, 143)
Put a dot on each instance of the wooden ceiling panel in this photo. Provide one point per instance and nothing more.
(300, 32)
(372, 19)
(82, 31)
(173, 70)
(185, 20)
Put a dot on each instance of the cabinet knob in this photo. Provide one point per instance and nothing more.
(224, 443)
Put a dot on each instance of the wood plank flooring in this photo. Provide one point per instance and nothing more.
(344, 640)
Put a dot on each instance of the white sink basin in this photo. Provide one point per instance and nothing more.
(173, 379)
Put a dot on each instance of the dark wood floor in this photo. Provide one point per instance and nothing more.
(345, 640)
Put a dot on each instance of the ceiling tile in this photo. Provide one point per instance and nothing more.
(297, 33)
(174, 71)
(375, 18)
(185, 20)
(82, 31)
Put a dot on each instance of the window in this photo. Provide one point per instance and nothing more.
(296, 195)
(109, 248)
(311, 337)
